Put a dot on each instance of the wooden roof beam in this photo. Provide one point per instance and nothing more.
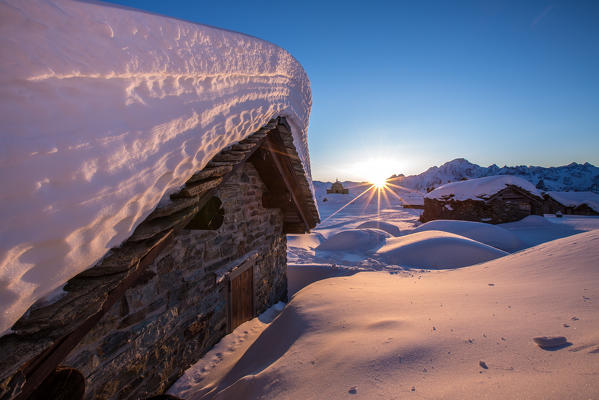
(288, 177)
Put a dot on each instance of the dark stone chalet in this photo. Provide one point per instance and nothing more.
(574, 203)
(510, 201)
(197, 267)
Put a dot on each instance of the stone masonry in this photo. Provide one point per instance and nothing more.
(178, 310)
(508, 205)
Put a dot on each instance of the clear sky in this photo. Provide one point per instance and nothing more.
(400, 86)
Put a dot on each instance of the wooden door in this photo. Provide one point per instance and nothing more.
(242, 297)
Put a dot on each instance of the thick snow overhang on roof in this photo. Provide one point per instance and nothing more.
(480, 188)
(576, 199)
(105, 110)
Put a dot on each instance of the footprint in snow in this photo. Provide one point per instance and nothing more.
(584, 347)
(551, 343)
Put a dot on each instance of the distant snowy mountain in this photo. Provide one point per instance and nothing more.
(571, 177)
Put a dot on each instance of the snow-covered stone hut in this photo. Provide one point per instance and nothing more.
(492, 199)
(337, 187)
(575, 203)
(149, 207)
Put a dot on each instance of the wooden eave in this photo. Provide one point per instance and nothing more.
(547, 196)
(281, 171)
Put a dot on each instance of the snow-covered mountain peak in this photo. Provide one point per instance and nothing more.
(571, 177)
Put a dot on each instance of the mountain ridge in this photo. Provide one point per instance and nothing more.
(571, 177)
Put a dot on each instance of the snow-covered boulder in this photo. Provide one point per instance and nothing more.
(437, 250)
(382, 225)
(535, 221)
(355, 240)
(305, 241)
(492, 235)
(104, 111)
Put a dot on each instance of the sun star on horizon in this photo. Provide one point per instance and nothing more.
(382, 189)
(379, 182)
(376, 170)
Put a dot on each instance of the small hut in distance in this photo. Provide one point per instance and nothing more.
(337, 187)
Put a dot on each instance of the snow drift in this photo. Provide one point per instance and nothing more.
(354, 240)
(492, 235)
(382, 225)
(104, 111)
(436, 249)
(462, 334)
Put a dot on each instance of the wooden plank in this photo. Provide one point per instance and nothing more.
(293, 228)
(272, 200)
(242, 298)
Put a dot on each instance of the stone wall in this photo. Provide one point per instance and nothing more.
(177, 308)
(551, 206)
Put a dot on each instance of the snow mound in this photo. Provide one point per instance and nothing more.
(436, 249)
(104, 111)
(354, 240)
(532, 221)
(306, 241)
(382, 225)
(480, 188)
(575, 199)
(492, 235)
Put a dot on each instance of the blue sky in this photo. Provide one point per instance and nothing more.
(400, 86)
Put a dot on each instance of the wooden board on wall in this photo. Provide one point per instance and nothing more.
(242, 298)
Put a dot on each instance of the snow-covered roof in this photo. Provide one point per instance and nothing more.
(480, 188)
(104, 111)
(575, 199)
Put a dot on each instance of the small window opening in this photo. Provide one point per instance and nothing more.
(210, 217)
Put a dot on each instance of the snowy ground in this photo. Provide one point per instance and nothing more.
(376, 329)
